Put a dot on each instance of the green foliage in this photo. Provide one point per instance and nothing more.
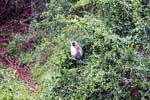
(14, 47)
(11, 88)
(128, 17)
(112, 35)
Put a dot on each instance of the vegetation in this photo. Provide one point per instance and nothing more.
(114, 35)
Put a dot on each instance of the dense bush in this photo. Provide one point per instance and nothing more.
(114, 36)
(10, 9)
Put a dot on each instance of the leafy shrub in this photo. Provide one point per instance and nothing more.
(111, 41)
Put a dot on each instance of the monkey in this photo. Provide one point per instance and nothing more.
(76, 51)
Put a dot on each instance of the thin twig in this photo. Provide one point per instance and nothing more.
(4, 8)
(146, 93)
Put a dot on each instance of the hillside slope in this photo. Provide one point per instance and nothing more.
(114, 35)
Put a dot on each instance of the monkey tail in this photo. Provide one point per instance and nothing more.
(82, 62)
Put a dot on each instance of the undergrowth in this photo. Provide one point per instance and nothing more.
(115, 43)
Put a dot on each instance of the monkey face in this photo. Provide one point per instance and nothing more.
(73, 43)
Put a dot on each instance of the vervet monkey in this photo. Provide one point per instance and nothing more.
(76, 51)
